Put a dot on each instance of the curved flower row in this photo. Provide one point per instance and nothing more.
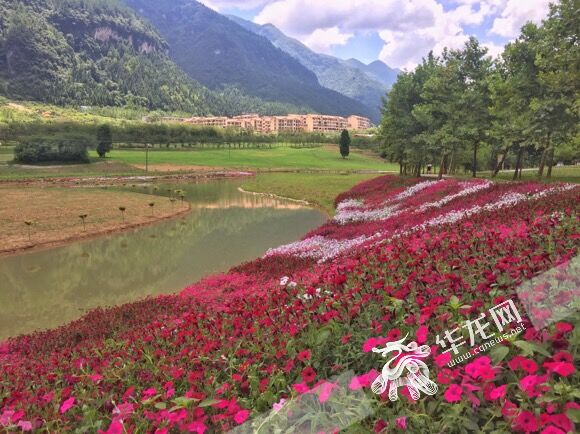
(276, 332)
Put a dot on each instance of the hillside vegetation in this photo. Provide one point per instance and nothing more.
(221, 54)
(101, 53)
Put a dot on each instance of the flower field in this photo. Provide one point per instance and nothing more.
(239, 350)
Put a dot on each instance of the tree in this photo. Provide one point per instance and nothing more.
(475, 66)
(344, 143)
(104, 140)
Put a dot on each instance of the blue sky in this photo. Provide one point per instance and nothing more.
(398, 32)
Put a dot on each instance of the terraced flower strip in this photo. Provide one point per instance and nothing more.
(281, 328)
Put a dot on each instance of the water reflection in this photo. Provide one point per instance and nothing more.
(48, 288)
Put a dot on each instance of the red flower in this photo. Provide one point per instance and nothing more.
(498, 392)
(421, 334)
(453, 393)
(303, 355)
(308, 375)
(552, 430)
(560, 368)
(526, 422)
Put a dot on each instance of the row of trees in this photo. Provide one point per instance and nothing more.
(454, 107)
(163, 134)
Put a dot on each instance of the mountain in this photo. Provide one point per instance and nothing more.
(366, 84)
(377, 70)
(220, 53)
(90, 52)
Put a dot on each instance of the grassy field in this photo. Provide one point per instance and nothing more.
(55, 213)
(323, 158)
(559, 174)
(319, 189)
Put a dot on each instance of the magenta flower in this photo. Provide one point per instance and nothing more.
(67, 405)
(453, 393)
(241, 416)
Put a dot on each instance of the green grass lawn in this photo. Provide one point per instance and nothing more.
(320, 189)
(559, 174)
(323, 158)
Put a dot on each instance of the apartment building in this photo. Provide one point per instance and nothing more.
(358, 123)
(291, 123)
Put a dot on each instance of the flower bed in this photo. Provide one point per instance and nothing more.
(280, 329)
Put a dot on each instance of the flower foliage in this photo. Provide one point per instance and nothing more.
(401, 257)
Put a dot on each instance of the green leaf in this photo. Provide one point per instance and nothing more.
(183, 401)
(499, 353)
(573, 414)
(530, 348)
(207, 403)
(161, 406)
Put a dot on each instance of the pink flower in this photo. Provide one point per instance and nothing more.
(401, 422)
(422, 333)
(531, 384)
(241, 416)
(197, 427)
(25, 425)
(325, 391)
(372, 343)
(301, 388)
(561, 368)
(278, 405)
(364, 380)
(116, 427)
(498, 392)
(453, 393)
(442, 359)
(66, 405)
(95, 378)
(123, 410)
(148, 393)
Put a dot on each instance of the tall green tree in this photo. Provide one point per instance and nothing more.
(104, 140)
(557, 110)
(344, 143)
(474, 72)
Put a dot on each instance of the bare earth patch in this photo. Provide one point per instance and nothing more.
(54, 214)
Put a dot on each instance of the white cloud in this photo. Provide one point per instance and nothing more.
(516, 13)
(322, 40)
(409, 28)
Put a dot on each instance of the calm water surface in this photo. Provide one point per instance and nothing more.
(49, 288)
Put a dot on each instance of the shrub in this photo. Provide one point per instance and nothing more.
(63, 151)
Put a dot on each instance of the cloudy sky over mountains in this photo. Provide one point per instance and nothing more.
(399, 32)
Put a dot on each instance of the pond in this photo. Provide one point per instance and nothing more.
(48, 288)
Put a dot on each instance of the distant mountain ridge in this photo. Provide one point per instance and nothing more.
(364, 83)
(378, 70)
(218, 53)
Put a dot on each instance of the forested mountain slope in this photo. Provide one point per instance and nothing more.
(219, 53)
(92, 52)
